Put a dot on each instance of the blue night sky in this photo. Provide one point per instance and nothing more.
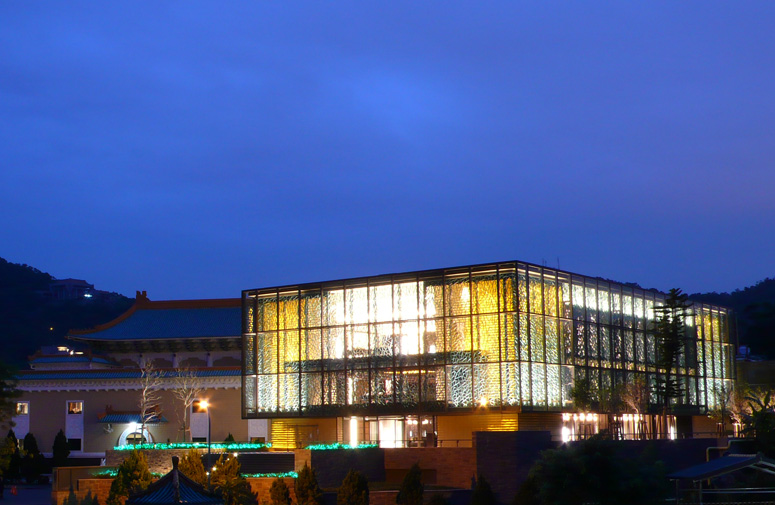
(197, 149)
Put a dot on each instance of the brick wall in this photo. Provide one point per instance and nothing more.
(98, 487)
(452, 467)
(261, 488)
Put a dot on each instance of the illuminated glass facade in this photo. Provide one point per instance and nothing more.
(496, 336)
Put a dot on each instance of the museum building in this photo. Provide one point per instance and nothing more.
(426, 358)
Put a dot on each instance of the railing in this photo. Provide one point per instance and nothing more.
(66, 477)
(405, 444)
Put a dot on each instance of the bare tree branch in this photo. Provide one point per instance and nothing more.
(188, 389)
(150, 394)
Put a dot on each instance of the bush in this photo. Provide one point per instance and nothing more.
(227, 482)
(133, 476)
(61, 449)
(229, 439)
(279, 494)
(411, 487)
(308, 490)
(482, 494)
(437, 499)
(191, 466)
(354, 490)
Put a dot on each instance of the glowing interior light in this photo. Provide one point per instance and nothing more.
(203, 404)
(483, 401)
(353, 432)
(565, 434)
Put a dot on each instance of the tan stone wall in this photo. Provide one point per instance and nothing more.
(98, 487)
(48, 410)
(301, 457)
(453, 467)
(158, 461)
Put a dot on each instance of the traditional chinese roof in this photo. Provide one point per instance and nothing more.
(123, 373)
(125, 418)
(174, 488)
(723, 465)
(169, 325)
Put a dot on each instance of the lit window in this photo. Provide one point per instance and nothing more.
(22, 408)
(75, 407)
(197, 407)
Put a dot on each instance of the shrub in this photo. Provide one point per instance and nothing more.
(191, 466)
(308, 490)
(354, 490)
(61, 449)
(482, 494)
(227, 482)
(279, 494)
(133, 476)
(411, 488)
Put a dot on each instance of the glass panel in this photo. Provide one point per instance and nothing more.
(550, 295)
(356, 307)
(522, 289)
(485, 295)
(604, 305)
(590, 294)
(249, 393)
(382, 387)
(289, 392)
(458, 296)
(288, 315)
(566, 309)
(524, 383)
(249, 353)
(459, 386)
(267, 393)
(567, 340)
(267, 314)
(485, 334)
(554, 386)
(405, 300)
(310, 310)
(486, 388)
(524, 338)
(288, 350)
(266, 359)
(537, 338)
(509, 344)
(536, 293)
(458, 339)
(333, 307)
(552, 340)
(381, 303)
(507, 290)
(605, 346)
(311, 392)
(538, 378)
(510, 383)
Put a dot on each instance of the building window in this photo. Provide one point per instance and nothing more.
(199, 439)
(74, 443)
(75, 408)
(22, 408)
(135, 438)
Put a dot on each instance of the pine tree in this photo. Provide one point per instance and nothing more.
(227, 482)
(33, 462)
(354, 490)
(279, 494)
(308, 490)
(482, 494)
(15, 461)
(671, 340)
(133, 476)
(191, 466)
(411, 488)
(61, 449)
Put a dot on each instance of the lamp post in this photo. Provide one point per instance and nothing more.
(205, 405)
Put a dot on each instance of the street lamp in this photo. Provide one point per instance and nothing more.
(206, 406)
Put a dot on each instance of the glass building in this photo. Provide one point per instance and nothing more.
(503, 337)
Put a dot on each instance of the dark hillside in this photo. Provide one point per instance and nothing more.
(30, 319)
(754, 307)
